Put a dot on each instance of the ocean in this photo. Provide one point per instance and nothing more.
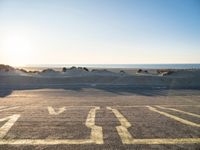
(134, 66)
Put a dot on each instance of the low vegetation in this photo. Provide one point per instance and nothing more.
(64, 69)
(6, 68)
(48, 70)
(142, 71)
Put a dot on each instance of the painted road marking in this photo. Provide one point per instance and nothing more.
(8, 108)
(130, 106)
(52, 111)
(181, 111)
(127, 138)
(174, 117)
(44, 142)
(122, 130)
(179, 105)
(157, 105)
(96, 131)
(6, 127)
(96, 136)
(189, 100)
(66, 142)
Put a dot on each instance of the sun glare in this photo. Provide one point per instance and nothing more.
(17, 48)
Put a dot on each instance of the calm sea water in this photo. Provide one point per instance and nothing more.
(146, 66)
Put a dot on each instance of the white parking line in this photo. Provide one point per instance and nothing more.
(122, 130)
(130, 106)
(6, 127)
(52, 111)
(96, 136)
(45, 142)
(179, 105)
(97, 132)
(181, 111)
(174, 117)
(155, 105)
(189, 100)
(4, 109)
(127, 138)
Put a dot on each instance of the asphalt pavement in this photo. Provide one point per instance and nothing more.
(91, 118)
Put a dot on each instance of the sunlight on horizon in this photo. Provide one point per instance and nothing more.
(17, 48)
(99, 32)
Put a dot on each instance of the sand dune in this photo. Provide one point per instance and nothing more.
(10, 77)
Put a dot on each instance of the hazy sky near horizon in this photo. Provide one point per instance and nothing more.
(99, 31)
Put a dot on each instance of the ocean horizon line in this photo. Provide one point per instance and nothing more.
(147, 66)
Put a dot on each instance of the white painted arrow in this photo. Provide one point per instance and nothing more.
(53, 112)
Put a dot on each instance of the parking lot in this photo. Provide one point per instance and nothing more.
(91, 118)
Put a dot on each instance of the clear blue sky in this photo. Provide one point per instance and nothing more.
(99, 31)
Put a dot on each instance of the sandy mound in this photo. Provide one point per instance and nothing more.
(82, 71)
(103, 72)
(6, 70)
(49, 73)
(161, 79)
(75, 71)
(66, 72)
(185, 73)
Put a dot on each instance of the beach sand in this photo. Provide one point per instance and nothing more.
(81, 109)
(100, 78)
